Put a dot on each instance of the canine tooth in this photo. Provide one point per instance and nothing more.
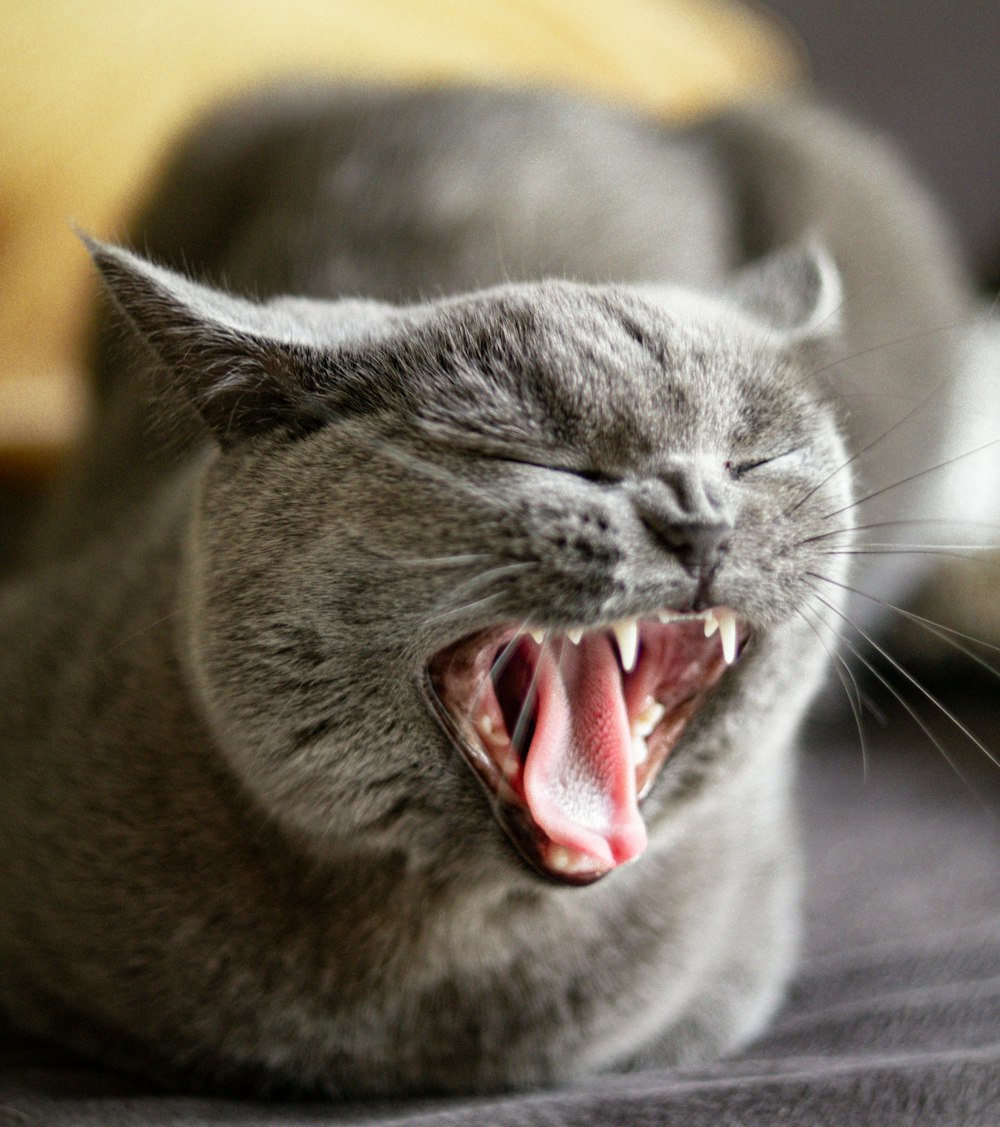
(504, 755)
(640, 751)
(627, 635)
(652, 713)
(538, 635)
(711, 623)
(497, 740)
(510, 766)
(727, 632)
(574, 636)
(489, 733)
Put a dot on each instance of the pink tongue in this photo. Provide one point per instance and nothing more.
(579, 780)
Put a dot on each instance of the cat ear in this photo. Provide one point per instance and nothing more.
(246, 368)
(796, 290)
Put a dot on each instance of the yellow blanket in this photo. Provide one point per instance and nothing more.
(90, 95)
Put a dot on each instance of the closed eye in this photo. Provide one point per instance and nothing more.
(596, 477)
(496, 448)
(599, 477)
(789, 460)
(529, 458)
(517, 458)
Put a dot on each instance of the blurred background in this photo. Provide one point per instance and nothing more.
(93, 94)
(928, 72)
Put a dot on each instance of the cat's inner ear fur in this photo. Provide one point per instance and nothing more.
(243, 366)
(797, 291)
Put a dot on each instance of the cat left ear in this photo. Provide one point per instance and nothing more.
(797, 291)
(243, 366)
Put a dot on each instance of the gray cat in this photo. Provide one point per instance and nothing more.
(403, 691)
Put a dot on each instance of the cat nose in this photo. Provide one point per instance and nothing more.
(698, 547)
(684, 510)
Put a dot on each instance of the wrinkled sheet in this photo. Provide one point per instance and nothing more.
(894, 1017)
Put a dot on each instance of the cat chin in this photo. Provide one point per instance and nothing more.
(567, 731)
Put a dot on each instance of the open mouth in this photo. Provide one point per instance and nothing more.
(567, 731)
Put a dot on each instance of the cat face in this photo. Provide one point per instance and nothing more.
(520, 539)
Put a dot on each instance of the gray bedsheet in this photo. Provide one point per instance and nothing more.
(894, 1017)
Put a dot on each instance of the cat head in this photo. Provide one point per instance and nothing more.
(551, 538)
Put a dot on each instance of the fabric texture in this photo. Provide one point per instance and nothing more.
(894, 1017)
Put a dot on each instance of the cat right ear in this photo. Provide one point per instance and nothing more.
(796, 290)
(246, 368)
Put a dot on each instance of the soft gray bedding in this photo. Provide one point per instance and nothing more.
(894, 1017)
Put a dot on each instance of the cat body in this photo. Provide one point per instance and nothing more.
(533, 381)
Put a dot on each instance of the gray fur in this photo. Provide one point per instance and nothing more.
(236, 846)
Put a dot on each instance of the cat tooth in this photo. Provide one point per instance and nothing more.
(668, 615)
(538, 635)
(711, 623)
(627, 635)
(640, 750)
(727, 633)
(503, 754)
(498, 743)
(489, 734)
(645, 722)
(565, 860)
(574, 636)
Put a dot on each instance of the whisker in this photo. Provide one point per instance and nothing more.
(870, 445)
(937, 387)
(913, 477)
(454, 612)
(945, 555)
(461, 560)
(488, 576)
(936, 628)
(943, 632)
(906, 673)
(904, 545)
(474, 583)
(954, 326)
(851, 528)
(913, 714)
(393, 452)
(851, 690)
(500, 663)
(147, 627)
(528, 704)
